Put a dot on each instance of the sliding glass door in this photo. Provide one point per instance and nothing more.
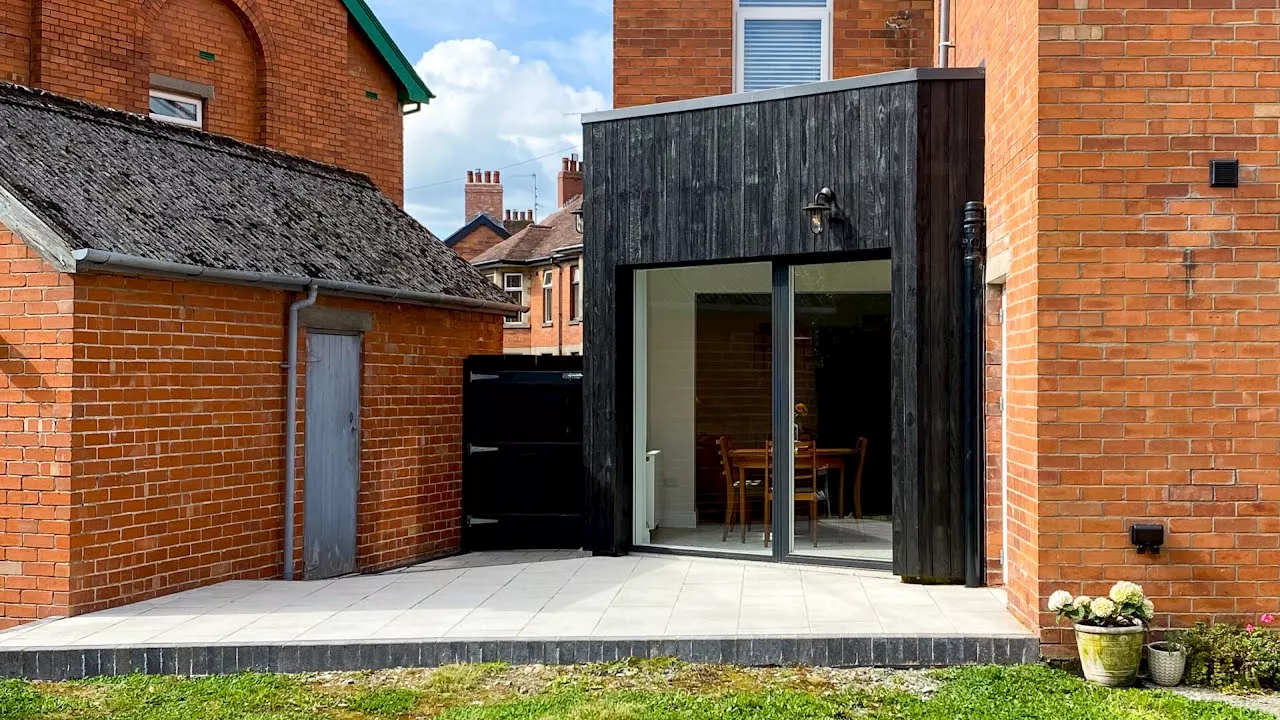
(761, 410)
(702, 338)
(841, 359)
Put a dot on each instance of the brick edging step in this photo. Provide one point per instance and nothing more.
(74, 663)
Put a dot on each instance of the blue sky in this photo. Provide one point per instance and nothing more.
(512, 77)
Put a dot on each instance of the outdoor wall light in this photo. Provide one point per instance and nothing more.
(823, 210)
(1147, 537)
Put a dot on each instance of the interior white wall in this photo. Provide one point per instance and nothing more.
(672, 339)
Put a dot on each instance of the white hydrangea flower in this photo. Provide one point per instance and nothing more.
(1127, 592)
(1059, 600)
(1081, 603)
(1102, 607)
(1148, 609)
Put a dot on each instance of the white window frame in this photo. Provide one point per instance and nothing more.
(198, 123)
(575, 289)
(523, 317)
(548, 297)
(741, 15)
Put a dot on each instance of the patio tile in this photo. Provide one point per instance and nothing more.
(563, 624)
(632, 622)
(548, 595)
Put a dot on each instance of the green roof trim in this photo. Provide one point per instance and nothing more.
(412, 89)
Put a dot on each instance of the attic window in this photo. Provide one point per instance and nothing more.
(176, 108)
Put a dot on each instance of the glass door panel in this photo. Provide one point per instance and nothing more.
(841, 360)
(703, 406)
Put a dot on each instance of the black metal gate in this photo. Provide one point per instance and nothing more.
(522, 472)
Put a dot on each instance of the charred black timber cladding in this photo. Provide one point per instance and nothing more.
(726, 181)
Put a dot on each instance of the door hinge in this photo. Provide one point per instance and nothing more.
(475, 377)
(473, 449)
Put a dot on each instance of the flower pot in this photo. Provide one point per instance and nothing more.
(1110, 655)
(1167, 663)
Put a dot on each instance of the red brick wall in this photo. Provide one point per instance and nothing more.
(370, 147)
(310, 80)
(411, 441)
(1161, 379)
(15, 40)
(176, 466)
(184, 28)
(35, 435)
(177, 462)
(682, 49)
(994, 439)
(479, 240)
(143, 431)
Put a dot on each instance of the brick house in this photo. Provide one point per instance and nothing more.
(147, 301)
(540, 266)
(487, 223)
(1132, 312)
(316, 78)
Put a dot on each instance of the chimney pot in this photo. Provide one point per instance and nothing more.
(508, 215)
(488, 176)
(497, 176)
(471, 176)
(564, 164)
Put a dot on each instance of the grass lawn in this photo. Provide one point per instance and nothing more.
(649, 690)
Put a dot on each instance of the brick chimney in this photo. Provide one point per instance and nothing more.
(516, 221)
(569, 182)
(483, 194)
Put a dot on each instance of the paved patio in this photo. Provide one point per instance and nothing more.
(550, 597)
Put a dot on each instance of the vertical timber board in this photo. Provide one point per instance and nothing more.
(905, 346)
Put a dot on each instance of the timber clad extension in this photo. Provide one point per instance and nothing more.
(727, 185)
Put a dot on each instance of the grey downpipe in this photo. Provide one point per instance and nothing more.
(121, 262)
(291, 427)
(944, 33)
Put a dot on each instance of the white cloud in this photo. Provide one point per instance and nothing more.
(492, 110)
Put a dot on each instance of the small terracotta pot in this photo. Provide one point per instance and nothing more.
(1167, 662)
(1110, 655)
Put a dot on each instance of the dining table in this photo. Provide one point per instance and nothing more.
(750, 458)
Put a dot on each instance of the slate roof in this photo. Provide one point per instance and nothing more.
(122, 183)
(536, 242)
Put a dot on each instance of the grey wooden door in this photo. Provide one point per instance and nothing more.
(332, 454)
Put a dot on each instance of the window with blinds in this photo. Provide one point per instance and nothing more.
(782, 42)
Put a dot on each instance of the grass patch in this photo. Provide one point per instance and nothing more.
(245, 696)
(384, 702)
(625, 690)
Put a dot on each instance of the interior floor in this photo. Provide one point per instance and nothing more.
(848, 538)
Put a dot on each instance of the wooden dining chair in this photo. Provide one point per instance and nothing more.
(861, 450)
(731, 490)
(806, 485)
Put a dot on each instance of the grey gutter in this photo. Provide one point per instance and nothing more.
(119, 262)
(895, 77)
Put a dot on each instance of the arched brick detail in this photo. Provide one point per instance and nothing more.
(264, 47)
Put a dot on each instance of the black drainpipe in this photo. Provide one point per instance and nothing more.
(974, 369)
